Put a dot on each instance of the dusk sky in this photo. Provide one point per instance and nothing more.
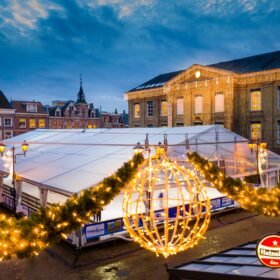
(119, 44)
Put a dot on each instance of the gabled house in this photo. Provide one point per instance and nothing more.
(17, 117)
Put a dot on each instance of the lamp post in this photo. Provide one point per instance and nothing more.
(256, 146)
(138, 149)
(24, 148)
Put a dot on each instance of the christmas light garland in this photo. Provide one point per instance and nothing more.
(257, 200)
(25, 237)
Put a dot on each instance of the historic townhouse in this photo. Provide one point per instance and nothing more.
(80, 114)
(17, 117)
(242, 94)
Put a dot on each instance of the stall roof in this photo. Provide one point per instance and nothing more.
(234, 264)
(70, 160)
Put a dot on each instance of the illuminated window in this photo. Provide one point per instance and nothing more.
(219, 102)
(198, 104)
(136, 110)
(42, 123)
(22, 123)
(256, 100)
(150, 108)
(256, 131)
(32, 123)
(164, 108)
(180, 106)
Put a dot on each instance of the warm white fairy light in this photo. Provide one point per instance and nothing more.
(147, 216)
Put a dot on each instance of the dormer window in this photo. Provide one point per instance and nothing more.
(31, 108)
(58, 112)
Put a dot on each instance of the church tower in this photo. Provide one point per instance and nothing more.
(81, 104)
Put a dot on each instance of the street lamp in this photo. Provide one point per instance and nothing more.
(24, 148)
(138, 149)
(256, 146)
(2, 148)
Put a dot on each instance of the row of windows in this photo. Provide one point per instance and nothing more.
(32, 123)
(8, 122)
(219, 106)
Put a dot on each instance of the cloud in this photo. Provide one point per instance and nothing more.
(124, 8)
(224, 8)
(24, 15)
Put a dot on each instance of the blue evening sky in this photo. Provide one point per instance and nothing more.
(118, 44)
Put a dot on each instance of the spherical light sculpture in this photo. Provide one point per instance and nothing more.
(166, 208)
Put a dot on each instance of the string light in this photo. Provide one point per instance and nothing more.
(257, 200)
(147, 215)
(27, 236)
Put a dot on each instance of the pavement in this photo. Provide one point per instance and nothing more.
(126, 260)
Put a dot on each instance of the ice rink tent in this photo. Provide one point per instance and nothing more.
(62, 162)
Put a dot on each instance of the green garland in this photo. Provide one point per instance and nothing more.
(257, 200)
(25, 237)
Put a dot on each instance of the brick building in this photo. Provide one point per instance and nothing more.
(17, 117)
(242, 94)
(80, 114)
(70, 114)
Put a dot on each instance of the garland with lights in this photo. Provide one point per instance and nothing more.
(257, 200)
(25, 237)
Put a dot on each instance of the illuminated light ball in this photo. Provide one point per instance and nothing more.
(197, 74)
(166, 208)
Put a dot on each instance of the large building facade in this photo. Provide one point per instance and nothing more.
(243, 95)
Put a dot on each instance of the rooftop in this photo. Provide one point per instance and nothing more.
(256, 63)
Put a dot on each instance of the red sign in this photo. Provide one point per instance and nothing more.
(268, 251)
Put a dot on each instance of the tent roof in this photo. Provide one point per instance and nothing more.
(68, 161)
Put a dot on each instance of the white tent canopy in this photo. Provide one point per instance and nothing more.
(68, 161)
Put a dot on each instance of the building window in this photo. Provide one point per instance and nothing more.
(31, 108)
(256, 131)
(180, 106)
(164, 108)
(219, 102)
(163, 125)
(0, 121)
(198, 104)
(42, 123)
(22, 123)
(256, 100)
(58, 113)
(150, 108)
(8, 122)
(197, 123)
(150, 125)
(32, 123)
(8, 134)
(136, 110)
